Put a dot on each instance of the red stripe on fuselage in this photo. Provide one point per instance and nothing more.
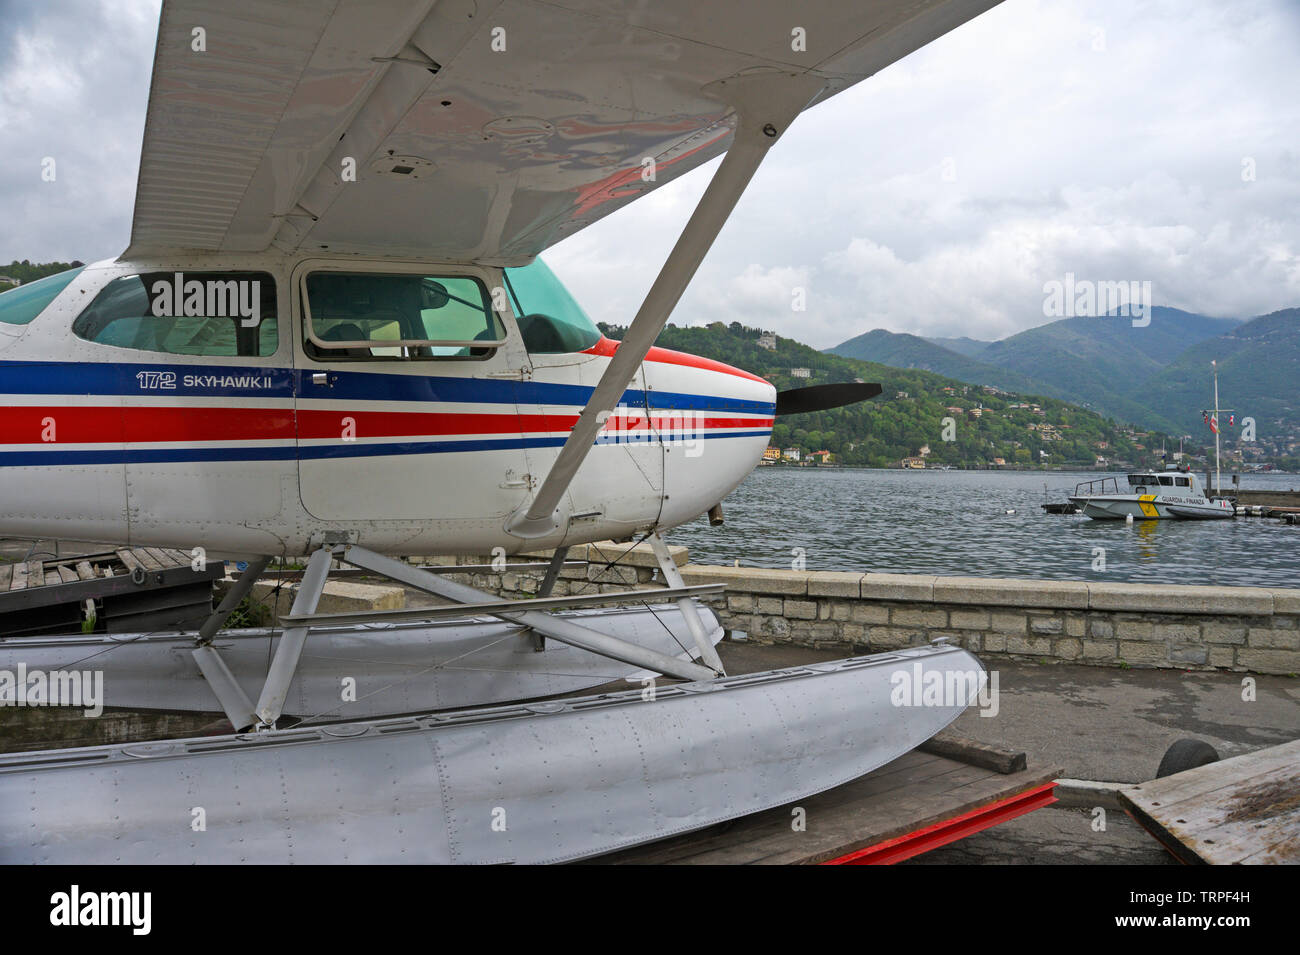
(141, 425)
(606, 348)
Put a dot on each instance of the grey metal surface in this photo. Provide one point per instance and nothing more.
(397, 668)
(545, 782)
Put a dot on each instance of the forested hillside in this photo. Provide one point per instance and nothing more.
(909, 415)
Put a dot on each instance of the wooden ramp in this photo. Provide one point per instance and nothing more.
(1240, 810)
(916, 803)
(134, 589)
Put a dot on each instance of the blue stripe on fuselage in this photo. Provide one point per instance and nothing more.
(59, 458)
(220, 381)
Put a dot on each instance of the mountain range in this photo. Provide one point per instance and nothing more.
(1155, 376)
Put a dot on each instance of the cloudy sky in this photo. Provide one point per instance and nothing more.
(1154, 141)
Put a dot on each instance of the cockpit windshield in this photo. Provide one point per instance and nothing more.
(550, 321)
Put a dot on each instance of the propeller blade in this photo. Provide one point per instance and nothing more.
(824, 397)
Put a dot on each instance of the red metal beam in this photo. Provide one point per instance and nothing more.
(950, 830)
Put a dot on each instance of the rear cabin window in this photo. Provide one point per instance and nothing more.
(1182, 482)
(222, 314)
(20, 305)
(398, 317)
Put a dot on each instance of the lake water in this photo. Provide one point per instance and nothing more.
(956, 523)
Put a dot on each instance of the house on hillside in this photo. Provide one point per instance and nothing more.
(916, 464)
(767, 340)
(800, 372)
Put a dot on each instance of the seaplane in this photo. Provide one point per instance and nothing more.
(331, 337)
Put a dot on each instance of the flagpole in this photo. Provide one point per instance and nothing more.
(1218, 482)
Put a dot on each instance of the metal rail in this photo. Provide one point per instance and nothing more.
(1099, 486)
(493, 607)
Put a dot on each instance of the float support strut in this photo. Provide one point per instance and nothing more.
(271, 703)
(558, 628)
(673, 578)
(234, 701)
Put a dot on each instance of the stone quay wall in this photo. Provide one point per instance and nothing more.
(1087, 622)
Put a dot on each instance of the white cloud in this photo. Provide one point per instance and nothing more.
(1118, 163)
(1123, 163)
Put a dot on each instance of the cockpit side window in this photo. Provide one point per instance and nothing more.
(1167, 480)
(550, 320)
(398, 317)
(224, 314)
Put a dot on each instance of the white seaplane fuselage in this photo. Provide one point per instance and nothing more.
(1172, 495)
(288, 447)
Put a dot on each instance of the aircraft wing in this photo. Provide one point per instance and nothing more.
(464, 130)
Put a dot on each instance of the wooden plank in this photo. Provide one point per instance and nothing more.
(6, 576)
(166, 558)
(67, 575)
(128, 558)
(19, 581)
(147, 560)
(760, 838)
(85, 571)
(1240, 810)
(35, 572)
(913, 792)
(972, 751)
(52, 578)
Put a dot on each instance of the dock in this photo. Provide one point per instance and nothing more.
(1243, 810)
(920, 801)
(132, 589)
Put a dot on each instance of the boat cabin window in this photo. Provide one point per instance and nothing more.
(1143, 480)
(550, 320)
(20, 305)
(1182, 482)
(1167, 480)
(398, 317)
(222, 314)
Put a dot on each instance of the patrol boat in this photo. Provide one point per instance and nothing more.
(1173, 494)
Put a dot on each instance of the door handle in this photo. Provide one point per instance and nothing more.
(322, 378)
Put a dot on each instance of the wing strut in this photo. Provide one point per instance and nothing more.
(765, 105)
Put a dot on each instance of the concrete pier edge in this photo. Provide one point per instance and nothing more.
(1175, 626)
